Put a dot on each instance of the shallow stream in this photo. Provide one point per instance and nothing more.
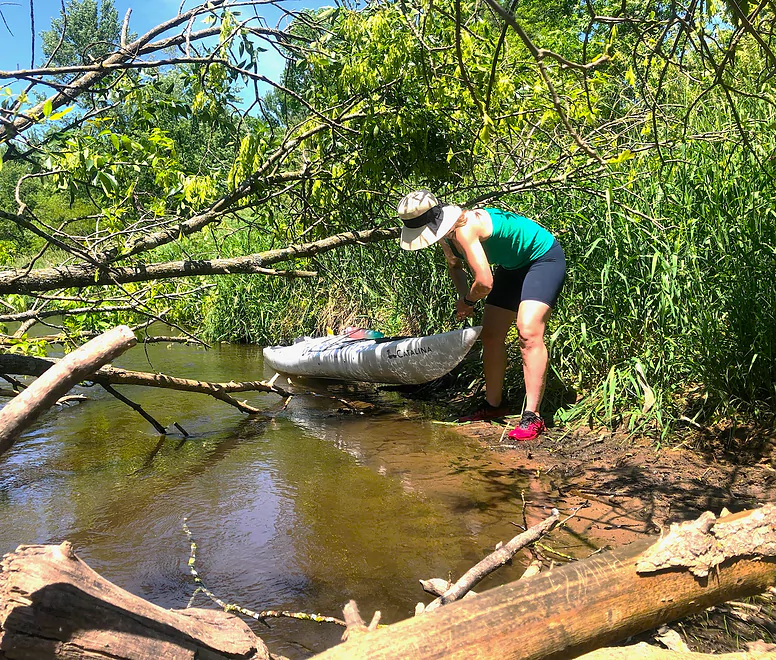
(301, 511)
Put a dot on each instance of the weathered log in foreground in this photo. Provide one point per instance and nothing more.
(591, 603)
(52, 605)
(23, 409)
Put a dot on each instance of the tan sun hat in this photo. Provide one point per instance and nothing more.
(425, 219)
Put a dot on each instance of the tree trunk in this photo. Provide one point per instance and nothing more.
(587, 604)
(47, 279)
(23, 409)
(52, 605)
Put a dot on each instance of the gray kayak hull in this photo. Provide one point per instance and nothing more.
(411, 360)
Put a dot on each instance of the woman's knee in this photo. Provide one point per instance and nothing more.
(531, 332)
(532, 320)
(493, 335)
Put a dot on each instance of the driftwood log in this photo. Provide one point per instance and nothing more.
(588, 604)
(52, 605)
(22, 365)
(23, 409)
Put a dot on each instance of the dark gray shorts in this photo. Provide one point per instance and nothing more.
(540, 280)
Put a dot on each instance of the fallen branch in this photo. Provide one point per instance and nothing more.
(24, 327)
(493, 561)
(57, 380)
(220, 391)
(31, 366)
(84, 275)
(136, 407)
(438, 586)
(166, 339)
(577, 607)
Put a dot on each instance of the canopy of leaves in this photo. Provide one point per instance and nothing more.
(84, 33)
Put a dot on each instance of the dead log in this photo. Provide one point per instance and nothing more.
(23, 409)
(52, 605)
(584, 605)
(109, 375)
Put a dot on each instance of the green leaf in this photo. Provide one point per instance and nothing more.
(60, 114)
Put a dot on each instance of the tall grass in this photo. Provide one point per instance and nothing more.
(676, 317)
(378, 286)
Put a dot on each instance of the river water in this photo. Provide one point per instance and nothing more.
(300, 510)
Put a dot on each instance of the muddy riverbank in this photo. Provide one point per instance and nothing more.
(628, 487)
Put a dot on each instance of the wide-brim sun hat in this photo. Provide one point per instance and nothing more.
(426, 220)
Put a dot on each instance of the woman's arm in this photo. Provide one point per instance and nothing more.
(456, 269)
(468, 237)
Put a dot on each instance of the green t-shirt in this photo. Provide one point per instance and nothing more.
(516, 241)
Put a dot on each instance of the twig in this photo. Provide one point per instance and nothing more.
(494, 560)
(136, 407)
(227, 607)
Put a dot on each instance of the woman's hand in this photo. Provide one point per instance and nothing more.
(463, 310)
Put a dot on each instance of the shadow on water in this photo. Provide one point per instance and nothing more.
(315, 504)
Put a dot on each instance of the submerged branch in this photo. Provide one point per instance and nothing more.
(32, 366)
(230, 607)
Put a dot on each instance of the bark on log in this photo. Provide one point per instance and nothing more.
(82, 363)
(52, 605)
(577, 607)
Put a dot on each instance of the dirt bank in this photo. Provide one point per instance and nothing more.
(629, 487)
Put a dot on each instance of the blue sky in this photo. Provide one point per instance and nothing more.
(15, 48)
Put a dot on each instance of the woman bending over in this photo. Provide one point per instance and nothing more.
(528, 272)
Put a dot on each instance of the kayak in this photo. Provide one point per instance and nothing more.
(390, 360)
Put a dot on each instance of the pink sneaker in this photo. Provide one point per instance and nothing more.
(530, 426)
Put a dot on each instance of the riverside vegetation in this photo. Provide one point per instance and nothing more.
(162, 172)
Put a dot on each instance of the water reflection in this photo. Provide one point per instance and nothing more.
(300, 511)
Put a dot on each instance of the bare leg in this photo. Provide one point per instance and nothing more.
(532, 317)
(496, 323)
